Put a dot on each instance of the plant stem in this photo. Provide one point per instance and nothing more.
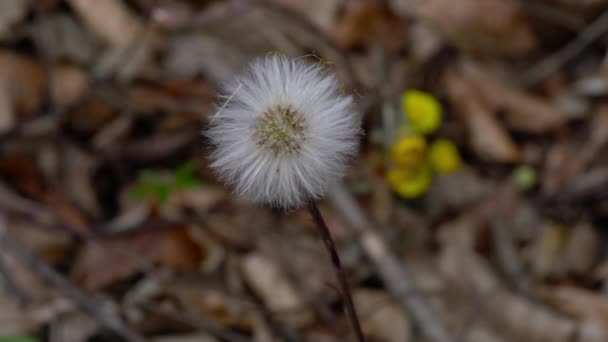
(333, 253)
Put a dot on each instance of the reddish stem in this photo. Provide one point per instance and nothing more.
(341, 275)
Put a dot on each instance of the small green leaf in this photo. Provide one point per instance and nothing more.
(18, 339)
(187, 169)
(187, 183)
(524, 177)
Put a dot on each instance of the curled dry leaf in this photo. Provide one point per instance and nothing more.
(488, 137)
(486, 26)
(523, 111)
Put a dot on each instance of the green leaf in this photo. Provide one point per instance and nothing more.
(187, 169)
(158, 192)
(187, 183)
(18, 339)
(524, 177)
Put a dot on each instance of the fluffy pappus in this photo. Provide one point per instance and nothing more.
(284, 132)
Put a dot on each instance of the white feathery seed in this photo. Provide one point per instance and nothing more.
(284, 133)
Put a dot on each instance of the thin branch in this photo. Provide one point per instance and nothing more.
(394, 275)
(345, 288)
(10, 285)
(556, 61)
(105, 318)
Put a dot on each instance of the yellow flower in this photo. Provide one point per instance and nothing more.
(444, 156)
(410, 183)
(409, 152)
(422, 110)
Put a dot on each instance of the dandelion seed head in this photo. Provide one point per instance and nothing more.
(284, 132)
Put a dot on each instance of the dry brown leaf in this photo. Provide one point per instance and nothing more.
(72, 326)
(77, 174)
(471, 281)
(201, 296)
(523, 111)
(200, 337)
(104, 261)
(486, 26)
(272, 285)
(22, 86)
(546, 251)
(68, 83)
(579, 303)
(488, 137)
(368, 23)
(110, 19)
(582, 249)
(119, 27)
(569, 159)
(383, 320)
(16, 320)
(11, 12)
(320, 12)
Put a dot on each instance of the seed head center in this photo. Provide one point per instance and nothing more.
(280, 129)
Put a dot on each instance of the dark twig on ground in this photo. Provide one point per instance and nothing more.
(392, 272)
(105, 318)
(344, 287)
(556, 61)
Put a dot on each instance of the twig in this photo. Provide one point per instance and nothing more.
(393, 274)
(10, 284)
(554, 62)
(50, 275)
(344, 287)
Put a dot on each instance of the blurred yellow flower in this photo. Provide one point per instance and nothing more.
(409, 152)
(444, 156)
(422, 110)
(410, 183)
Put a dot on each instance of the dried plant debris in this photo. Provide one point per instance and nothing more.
(474, 210)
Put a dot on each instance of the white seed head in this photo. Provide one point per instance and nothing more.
(284, 133)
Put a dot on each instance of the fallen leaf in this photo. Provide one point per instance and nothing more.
(383, 320)
(103, 261)
(579, 303)
(486, 26)
(523, 112)
(68, 83)
(272, 285)
(488, 137)
(22, 87)
(11, 12)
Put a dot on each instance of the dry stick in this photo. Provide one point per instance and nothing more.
(335, 259)
(10, 284)
(393, 273)
(50, 275)
(554, 62)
